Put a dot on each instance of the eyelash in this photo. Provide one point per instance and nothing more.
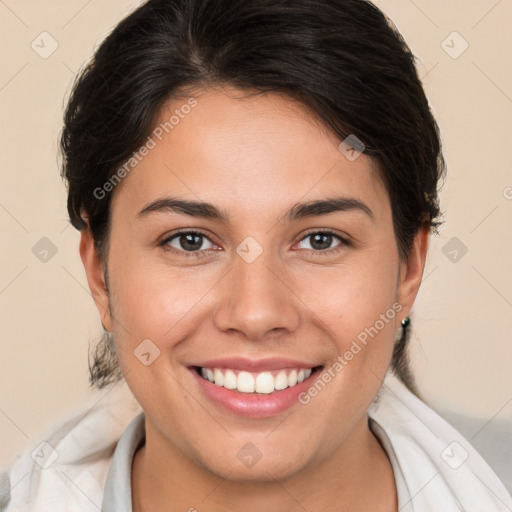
(201, 254)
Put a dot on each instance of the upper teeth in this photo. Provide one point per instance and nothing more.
(264, 382)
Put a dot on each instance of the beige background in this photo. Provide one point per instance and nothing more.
(462, 323)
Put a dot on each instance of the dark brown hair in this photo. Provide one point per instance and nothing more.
(342, 59)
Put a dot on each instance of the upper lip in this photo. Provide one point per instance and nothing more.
(255, 365)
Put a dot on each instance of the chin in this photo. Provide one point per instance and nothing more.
(256, 461)
(262, 472)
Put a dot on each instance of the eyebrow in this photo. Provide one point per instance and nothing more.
(296, 212)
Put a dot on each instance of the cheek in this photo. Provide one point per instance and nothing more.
(358, 305)
(152, 300)
(353, 297)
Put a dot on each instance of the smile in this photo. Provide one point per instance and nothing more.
(266, 382)
(253, 388)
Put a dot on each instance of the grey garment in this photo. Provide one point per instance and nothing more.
(118, 490)
(5, 490)
(117, 496)
(491, 438)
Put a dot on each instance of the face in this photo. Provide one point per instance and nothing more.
(258, 291)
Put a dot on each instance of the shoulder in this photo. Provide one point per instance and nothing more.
(66, 467)
(440, 467)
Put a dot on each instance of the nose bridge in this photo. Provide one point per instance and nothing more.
(256, 298)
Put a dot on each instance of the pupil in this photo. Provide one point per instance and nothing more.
(323, 239)
(190, 241)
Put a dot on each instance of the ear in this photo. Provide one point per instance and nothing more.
(95, 276)
(411, 271)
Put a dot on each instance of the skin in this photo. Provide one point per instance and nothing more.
(254, 157)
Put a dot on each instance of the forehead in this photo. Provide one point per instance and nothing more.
(246, 153)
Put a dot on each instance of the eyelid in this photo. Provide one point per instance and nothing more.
(344, 238)
(168, 237)
(195, 231)
(323, 230)
(345, 242)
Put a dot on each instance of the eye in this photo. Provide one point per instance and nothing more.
(183, 242)
(192, 243)
(321, 241)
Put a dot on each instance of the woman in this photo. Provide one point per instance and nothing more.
(255, 184)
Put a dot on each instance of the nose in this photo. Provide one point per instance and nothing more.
(258, 300)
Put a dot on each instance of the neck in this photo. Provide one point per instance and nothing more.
(357, 476)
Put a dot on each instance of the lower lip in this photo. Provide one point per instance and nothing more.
(254, 405)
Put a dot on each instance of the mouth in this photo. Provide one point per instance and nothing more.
(255, 383)
(254, 389)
